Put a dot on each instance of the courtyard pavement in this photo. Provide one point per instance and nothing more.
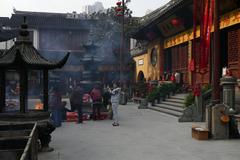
(142, 135)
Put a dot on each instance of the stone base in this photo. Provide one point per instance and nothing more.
(44, 124)
(219, 129)
(233, 128)
(46, 149)
(190, 115)
(142, 107)
(143, 104)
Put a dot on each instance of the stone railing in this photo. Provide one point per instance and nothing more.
(197, 111)
(19, 141)
(31, 149)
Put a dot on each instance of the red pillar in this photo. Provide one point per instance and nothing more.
(161, 58)
(216, 56)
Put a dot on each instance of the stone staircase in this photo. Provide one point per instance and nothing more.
(174, 105)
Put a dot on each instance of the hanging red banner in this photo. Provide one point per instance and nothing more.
(203, 34)
(206, 26)
(192, 68)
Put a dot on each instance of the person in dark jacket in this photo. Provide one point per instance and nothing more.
(76, 101)
(106, 97)
(107, 101)
(55, 105)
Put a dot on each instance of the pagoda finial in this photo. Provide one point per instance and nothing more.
(24, 19)
(24, 25)
(24, 33)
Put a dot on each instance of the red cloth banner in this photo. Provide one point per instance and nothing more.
(205, 29)
(191, 66)
(195, 3)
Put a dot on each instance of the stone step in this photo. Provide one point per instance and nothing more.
(173, 104)
(173, 108)
(166, 111)
(175, 100)
(178, 98)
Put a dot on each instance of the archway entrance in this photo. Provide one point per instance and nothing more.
(140, 77)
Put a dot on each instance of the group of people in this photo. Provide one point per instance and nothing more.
(107, 97)
(175, 77)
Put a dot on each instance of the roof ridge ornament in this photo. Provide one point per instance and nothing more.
(24, 33)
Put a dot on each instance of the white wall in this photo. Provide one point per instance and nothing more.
(7, 44)
(132, 43)
(36, 38)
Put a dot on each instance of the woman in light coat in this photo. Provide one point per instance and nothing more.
(115, 94)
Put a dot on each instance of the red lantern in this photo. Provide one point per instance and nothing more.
(175, 22)
(119, 3)
(118, 9)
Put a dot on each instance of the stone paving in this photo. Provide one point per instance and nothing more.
(142, 135)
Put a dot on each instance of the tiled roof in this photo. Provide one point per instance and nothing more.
(160, 11)
(48, 20)
(150, 18)
(2, 52)
(7, 34)
(23, 54)
(26, 55)
(3, 20)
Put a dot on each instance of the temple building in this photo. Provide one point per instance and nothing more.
(54, 34)
(164, 42)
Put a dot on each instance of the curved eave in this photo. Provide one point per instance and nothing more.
(139, 53)
(27, 56)
(158, 15)
(6, 35)
(62, 62)
(49, 65)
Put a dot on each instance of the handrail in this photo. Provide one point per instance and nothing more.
(206, 99)
(207, 93)
(29, 143)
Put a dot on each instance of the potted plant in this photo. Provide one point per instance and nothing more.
(152, 96)
(166, 90)
(205, 88)
(189, 100)
(172, 89)
(161, 94)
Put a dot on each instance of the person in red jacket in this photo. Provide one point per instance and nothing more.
(96, 96)
(173, 79)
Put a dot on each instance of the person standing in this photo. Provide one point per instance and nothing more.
(96, 101)
(106, 97)
(115, 94)
(107, 101)
(178, 80)
(55, 104)
(76, 101)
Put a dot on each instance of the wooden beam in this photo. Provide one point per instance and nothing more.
(45, 90)
(23, 90)
(2, 91)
